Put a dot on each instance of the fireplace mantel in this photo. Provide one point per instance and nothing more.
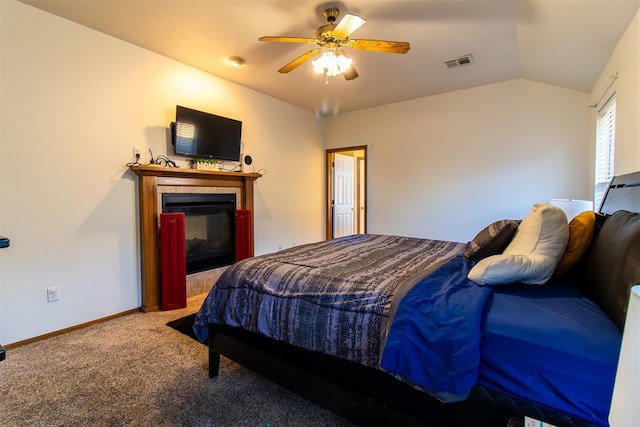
(156, 180)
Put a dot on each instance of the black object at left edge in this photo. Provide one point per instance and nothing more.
(4, 243)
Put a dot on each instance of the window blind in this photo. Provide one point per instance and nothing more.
(605, 146)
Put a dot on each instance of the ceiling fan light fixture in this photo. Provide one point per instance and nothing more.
(332, 63)
(330, 38)
(236, 61)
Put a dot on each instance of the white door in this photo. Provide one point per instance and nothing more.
(343, 200)
(360, 195)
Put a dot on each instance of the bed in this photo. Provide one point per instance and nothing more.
(391, 330)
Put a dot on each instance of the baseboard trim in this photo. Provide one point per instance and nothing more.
(70, 329)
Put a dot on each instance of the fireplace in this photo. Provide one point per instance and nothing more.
(209, 227)
(153, 183)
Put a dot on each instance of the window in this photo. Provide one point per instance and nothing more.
(605, 144)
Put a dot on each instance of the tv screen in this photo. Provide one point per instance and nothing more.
(199, 134)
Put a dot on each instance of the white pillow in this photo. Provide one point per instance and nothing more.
(534, 251)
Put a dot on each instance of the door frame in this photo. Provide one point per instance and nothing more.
(329, 186)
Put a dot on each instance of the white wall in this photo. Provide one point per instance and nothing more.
(445, 166)
(625, 61)
(74, 103)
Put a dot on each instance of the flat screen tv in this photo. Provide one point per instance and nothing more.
(199, 134)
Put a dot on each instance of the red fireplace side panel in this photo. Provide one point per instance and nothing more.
(173, 261)
(244, 234)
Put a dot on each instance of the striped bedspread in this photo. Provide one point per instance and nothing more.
(334, 296)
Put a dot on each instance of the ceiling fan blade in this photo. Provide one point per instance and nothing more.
(299, 61)
(348, 25)
(380, 46)
(287, 39)
(350, 74)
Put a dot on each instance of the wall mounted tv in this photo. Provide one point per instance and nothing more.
(199, 134)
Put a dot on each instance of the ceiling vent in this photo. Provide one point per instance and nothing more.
(459, 61)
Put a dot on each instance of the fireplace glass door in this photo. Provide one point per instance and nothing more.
(209, 228)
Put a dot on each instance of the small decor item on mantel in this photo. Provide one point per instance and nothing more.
(205, 164)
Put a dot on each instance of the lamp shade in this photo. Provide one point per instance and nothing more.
(572, 207)
(625, 404)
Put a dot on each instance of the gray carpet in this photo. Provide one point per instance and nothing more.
(136, 371)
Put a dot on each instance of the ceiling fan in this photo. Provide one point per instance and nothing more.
(331, 38)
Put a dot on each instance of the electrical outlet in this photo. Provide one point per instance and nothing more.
(52, 294)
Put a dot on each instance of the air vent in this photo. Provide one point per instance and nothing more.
(459, 61)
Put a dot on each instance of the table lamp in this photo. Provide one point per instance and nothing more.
(572, 207)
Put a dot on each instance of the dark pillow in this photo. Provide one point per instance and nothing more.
(492, 239)
(612, 264)
(600, 219)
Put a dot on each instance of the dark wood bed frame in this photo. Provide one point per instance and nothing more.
(365, 395)
(358, 393)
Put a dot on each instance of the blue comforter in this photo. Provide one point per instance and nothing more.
(434, 340)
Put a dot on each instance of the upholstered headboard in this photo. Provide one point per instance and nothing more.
(612, 264)
(623, 193)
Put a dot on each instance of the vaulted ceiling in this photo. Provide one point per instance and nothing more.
(560, 42)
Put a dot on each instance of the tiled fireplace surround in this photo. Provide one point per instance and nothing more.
(155, 181)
